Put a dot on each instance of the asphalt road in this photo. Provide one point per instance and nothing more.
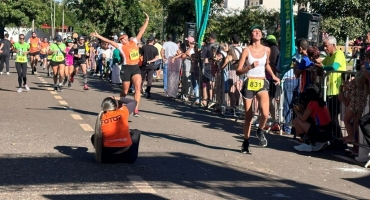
(185, 152)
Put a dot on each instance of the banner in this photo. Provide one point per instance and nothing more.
(287, 42)
(202, 8)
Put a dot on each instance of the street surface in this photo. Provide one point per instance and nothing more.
(185, 152)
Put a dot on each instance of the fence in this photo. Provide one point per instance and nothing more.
(210, 87)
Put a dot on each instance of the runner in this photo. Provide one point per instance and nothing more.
(57, 62)
(69, 64)
(49, 57)
(44, 53)
(130, 68)
(21, 48)
(34, 42)
(256, 57)
(79, 53)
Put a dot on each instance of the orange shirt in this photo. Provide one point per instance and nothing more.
(34, 44)
(115, 128)
(44, 47)
(131, 51)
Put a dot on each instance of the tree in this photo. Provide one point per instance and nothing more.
(154, 8)
(21, 13)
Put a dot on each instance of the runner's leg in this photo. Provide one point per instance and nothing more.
(61, 75)
(136, 79)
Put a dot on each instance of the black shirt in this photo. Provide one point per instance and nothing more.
(6, 47)
(149, 52)
(81, 49)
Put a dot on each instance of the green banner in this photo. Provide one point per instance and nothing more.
(202, 8)
(287, 43)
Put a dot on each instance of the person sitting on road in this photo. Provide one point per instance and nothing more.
(114, 142)
(318, 132)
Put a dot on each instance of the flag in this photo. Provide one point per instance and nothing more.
(287, 43)
(202, 8)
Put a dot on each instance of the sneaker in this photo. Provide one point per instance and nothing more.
(229, 113)
(27, 88)
(86, 87)
(69, 84)
(65, 81)
(60, 88)
(19, 90)
(246, 148)
(7, 73)
(136, 113)
(261, 136)
(148, 96)
(319, 146)
(55, 88)
(304, 147)
(72, 77)
(275, 127)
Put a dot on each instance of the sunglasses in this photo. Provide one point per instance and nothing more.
(21, 38)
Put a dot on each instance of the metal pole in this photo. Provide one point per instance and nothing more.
(163, 24)
(33, 25)
(54, 19)
(51, 18)
(63, 23)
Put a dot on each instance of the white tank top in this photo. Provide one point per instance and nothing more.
(258, 71)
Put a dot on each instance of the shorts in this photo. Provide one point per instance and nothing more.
(319, 133)
(249, 94)
(77, 63)
(56, 64)
(43, 56)
(274, 90)
(128, 71)
(208, 76)
(34, 53)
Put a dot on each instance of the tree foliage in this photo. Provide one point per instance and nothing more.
(154, 8)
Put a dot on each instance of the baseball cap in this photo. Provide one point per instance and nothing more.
(190, 39)
(256, 27)
(69, 41)
(151, 38)
(81, 38)
(58, 38)
(271, 37)
(121, 33)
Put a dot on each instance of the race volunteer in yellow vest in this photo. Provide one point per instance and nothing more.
(334, 61)
(114, 142)
(130, 70)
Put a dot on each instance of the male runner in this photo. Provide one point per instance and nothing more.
(79, 53)
(34, 42)
(44, 53)
(130, 68)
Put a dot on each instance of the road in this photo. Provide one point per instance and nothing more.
(185, 152)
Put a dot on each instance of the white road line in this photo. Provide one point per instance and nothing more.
(76, 117)
(53, 92)
(63, 103)
(57, 97)
(141, 185)
(41, 79)
(44, 82)
(86, 127)
(50, 89)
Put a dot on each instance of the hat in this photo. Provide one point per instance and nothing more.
(81, 38)
(256, 27)
(271, 37)
(151, 38)
(120, 34)
(69, 41)
(190, 39)
(58, 38)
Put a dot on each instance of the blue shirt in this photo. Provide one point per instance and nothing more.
(306, 78)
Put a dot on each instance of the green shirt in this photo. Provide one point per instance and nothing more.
(59, 56)
(116, 56)
(21, 58)
(335, 62)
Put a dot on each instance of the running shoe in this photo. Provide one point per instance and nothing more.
(246, 148)
(304, 147)
(72, 77)
(69, 84)
(136, 113)
(65, 81)
(60, 88)
(55, 88)
(27, 88)
(86, 87)
(319, 146)
(19, 90)
(261, 136)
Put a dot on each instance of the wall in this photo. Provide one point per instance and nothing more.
(14, 33)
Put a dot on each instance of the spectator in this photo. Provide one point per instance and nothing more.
(318, 132)
(169, 49)
(335, 61)
(5, 49)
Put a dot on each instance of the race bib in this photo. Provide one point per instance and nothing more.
(34, 45)
(255, 84)
(81, 51)
(43, 50)
(134, 54)
(59, 58)
(21, 59)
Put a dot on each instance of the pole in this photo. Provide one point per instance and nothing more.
(54, 19)
(33, 25)
(63, 23)
(163, 23)
(51, 18)
(346, 47)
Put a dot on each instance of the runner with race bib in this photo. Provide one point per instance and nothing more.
(130, 70)
(21, 48)
(58, 51)
(256, 59)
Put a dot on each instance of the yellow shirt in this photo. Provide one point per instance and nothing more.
(334, 79)
(159, 47)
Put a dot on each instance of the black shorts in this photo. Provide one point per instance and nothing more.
(34, 53)
(319, 133)
(43, 56)
(250, 94)
(274, 90)
(56, 64)
(128, 71)
(77, 63)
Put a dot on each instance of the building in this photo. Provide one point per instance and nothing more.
(234, 4)
(267, 4)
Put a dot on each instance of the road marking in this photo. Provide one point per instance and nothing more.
(63, 102)
(53, 92)
(41, 79)
(50, 89)
(44, 82)
(57, 97)
(86, 127)
(141, 185)
(76, 117)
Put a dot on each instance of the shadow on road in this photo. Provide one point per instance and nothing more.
(126, 196)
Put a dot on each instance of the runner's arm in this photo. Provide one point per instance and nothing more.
(142, 29)
(95, 34)
(241, 69)
(130, 103)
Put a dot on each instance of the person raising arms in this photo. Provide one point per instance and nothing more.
(254, 61)
(130, 67)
